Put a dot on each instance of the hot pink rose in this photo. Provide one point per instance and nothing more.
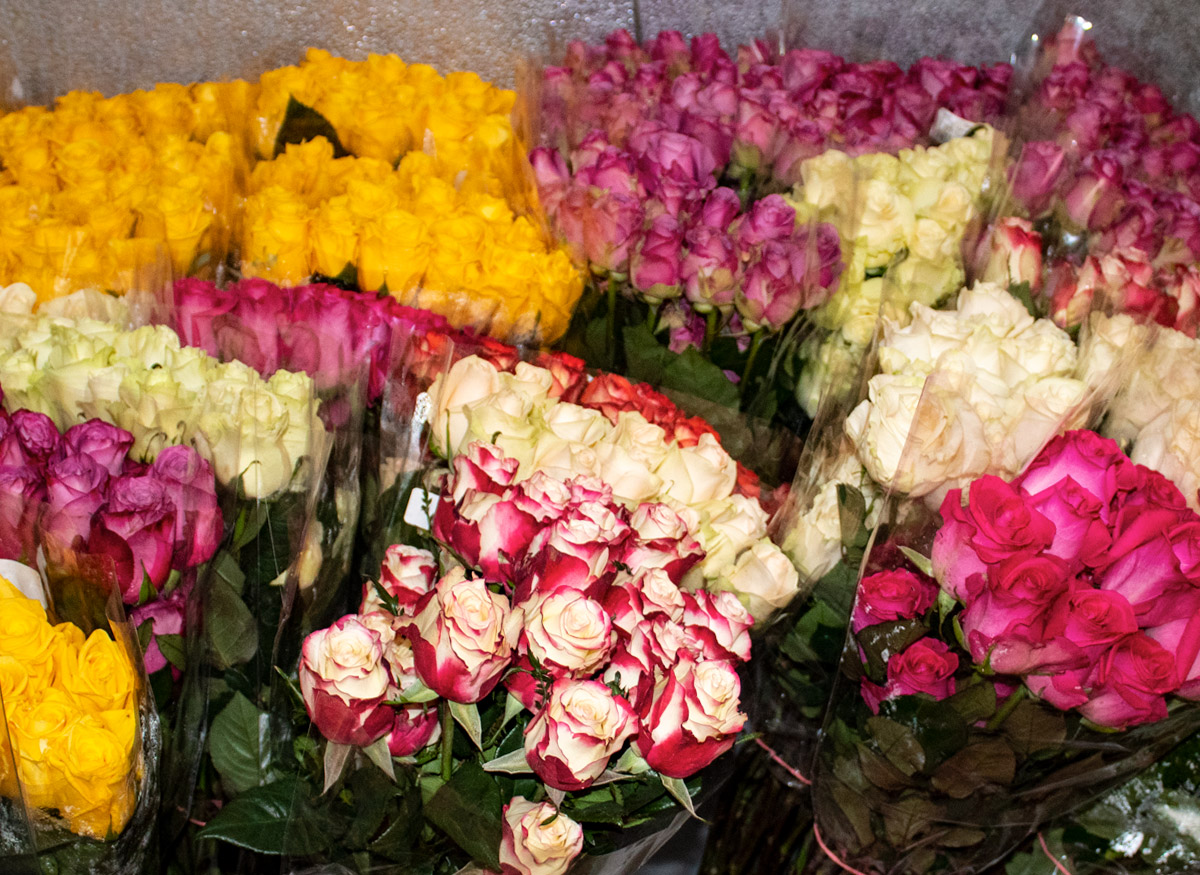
(925, 666)
(136, 530)
(75, 491)
(344, 682)
(462, 636)
(537, 839)
(892, 595)
(1143, 566)
(1130, 682)
(1085, 621)
(38, 435)
(720, 209)
(1181, 637)
(997, 522)
(692, 718)
(406, 573)
(190, 485)
(103, 443)
(1081, 537)
(571, 739)
(1093, 462)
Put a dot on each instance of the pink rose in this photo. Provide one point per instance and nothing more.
(610, 226)
(1093, 462)
(415, 727)
(1081, 538)
(12, 454)
(462, 636)
(191, 487)
(925, 666)
(136, 529)
(892, 595)
(1095, 197)
(581, 726)
(648, 592)
(1064, 688)
(654, 267)
(38, 435)
(1130, 682)
(776, 286)
(250, 334)
(1181, 637)
(692, 718)
(710, 268)
(105, 444)
(543, 497)
(166, 617)
(552, 176)
(22, 490)
(344, 682)
(769, 218)
(537, 839)
(720, 208)
(1036, 174)
(645, 655)
(997, 522)
(1143, 566)
(75, 491)
(406, 574)
(1085, 621)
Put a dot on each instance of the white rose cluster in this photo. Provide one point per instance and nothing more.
(74, 369)
(1154, 411)
(476, 402)
(966, 392)
(901, 219)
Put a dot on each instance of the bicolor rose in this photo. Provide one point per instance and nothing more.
(581, 726)
(344, 682)
(537, 839)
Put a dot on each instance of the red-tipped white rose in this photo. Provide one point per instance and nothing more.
(1014, 255)
(406, 574)
(536, 839)
(569, 742)
(692, 719)
(462, 635)
(717, 625)
(344, 682)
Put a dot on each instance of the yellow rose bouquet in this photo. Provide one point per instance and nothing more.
(80, 742)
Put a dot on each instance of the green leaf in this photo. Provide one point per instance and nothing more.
(905, 820)
(379, 753)
(172, 648)
(417, 694)
(679, 792)
(923, 563)
(514, 763)
(240, 745)
(976, 766)
(649, 361)
(897, 742)
(468, 809)
(229, 627)
(1023, 292)
(302, 123)
(852, 512)
(467, 716)
(277, 818)
(1033, 726)
(371, 793)
(975, 702)
(883, 640)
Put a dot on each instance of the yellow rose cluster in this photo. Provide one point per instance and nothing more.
(435, 201)
(98, 189)
(428, 232)
(71, 708)
(901, 219)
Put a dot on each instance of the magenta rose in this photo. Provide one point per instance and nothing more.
(925, 666)
(581, 726)
(344, 683)
(1037, 173)
(250, 334)
(1083, 622)
(38, 435)
(655, 265)
(137, 531)
(198, 304)
(327, 335)
(1181, 638)
(105, 444)
(1081, 537)
(1142, 566)
(892, 595)
(462, 636)
(711, 268)
(22, 490)
(1095, 463)
(1130, 682)
(997, 522)
(12, 454)
(415, 727)
(692, 718)
(76, 488)
(190, 485)
(166, 617)
(1064, 689)
(1096, 196)
(406, 574)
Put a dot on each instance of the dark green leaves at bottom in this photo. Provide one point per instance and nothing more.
(229, 626)
(468, 809)
(302, 123)
(278, 818)
(240, 743)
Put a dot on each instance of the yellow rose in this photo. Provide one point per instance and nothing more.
(220, 106)
(101, 676)
(333, 237)
(460, 244)
(179, 216)
(14, 682)
(164, 110)
(25, 633)
(32, 165)
(83, 162)
(96, 757)
(275, 237)
(36, 728)
(368, 200)
(393, 250)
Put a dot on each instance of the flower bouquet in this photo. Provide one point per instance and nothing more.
(1039, 657)
(80, 741)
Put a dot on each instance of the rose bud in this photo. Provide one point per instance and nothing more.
(22, 489)
(654, 266)
(570, 554)
(769, 218)
(1013, 253)
(1130, 682)
(488, 531)
(1095, 198)
(482, 468)
(406, 574)
(692, 719)
(892, 595)
(344, 682)
(415, 727)
(462, 635)
(136, 530)
(191, 487)
(75, 491)
(567, 631)
(105, 444)
(569, 742)
(720, 209)
(710, 269)
(537, 839)
(1182, 638)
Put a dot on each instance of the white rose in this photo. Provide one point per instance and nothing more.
(885, 222)
(503, 418)
(728, 527)
(990, 303)
(814, 540)
(577, 424)
(925, 163)
(1047, 407)
(920, 279)
(1045, 349)
(827, 178)
(916, 348)
(763, 579)
(631, 479)
(1171, 445)
(701, 473)
(151, 344)
(17, 299)
(470, 380)
(931, 240)
(1107, 345)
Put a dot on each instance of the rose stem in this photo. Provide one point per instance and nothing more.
(447, 742)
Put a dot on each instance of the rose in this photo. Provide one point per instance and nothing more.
(24, 629)
(344, 682)
(997, 522)
(925, 666)
(568, 631)
(95, 754)
(762, 578)
(769, 219)
(406, 574)
(582, 724)
(609, 226)
(100, 674)
(469, 380)
(717, 626)
(1142, 565)
(1014, 254)
(1036, 173)
(38, 435)
(710, 268)
(462, 636)
(488, 531)
(1084, 622)
(415, 727)
(1095, 197)
(892, 595)
(704, 472)
(1181, 637)
(1095, 463)
(104, 444)
(166, 617)
(1080, 536)
(537, 839)
(1129, 683)
(573, 553)
(136, 530)
(190, 486)
(655, 266)
(692, 718)
(648, 592)
(75, 492)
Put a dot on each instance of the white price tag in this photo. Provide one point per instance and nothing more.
(420, 510)
(948, 126)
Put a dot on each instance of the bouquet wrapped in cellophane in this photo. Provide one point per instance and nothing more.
(80, 741)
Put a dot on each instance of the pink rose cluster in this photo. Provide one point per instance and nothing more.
(1125, 166)
(569, 600)
(79, 491)
(330, 333)
(1081, 578)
